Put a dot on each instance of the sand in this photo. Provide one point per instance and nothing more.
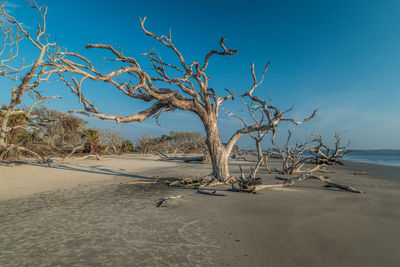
(78, 214)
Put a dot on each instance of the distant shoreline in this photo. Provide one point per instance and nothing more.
(366, 161)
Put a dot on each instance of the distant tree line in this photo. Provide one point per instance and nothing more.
(55, 133)
(175, 142)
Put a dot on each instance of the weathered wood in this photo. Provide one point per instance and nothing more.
(326, 155)
(185, 159)
(145, 182)
(210, 193)
(163, 202)
(77, 148)
(292, 157)
(360, 173)
(298, 179)
(27, 78)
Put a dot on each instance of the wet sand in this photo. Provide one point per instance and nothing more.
(78, 214)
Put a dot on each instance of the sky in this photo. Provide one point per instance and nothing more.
(341, 57)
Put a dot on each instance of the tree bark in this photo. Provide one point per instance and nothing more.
(219, 154)
(3, 129)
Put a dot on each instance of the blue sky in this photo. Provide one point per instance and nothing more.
(341, 57)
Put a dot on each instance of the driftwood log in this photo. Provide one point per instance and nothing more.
(164, 156)
(360, 173)
(298, 179)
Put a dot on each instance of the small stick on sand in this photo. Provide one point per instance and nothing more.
(145, 182)
(360, 173)
(162, 202)
(212, 193)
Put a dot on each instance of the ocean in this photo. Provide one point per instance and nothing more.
(382, 157)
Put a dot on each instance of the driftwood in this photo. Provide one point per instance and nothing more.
(7, 164)
(80, 147)
(145, 182)
(292, 157)
(324, 154)
(360, 173)
(8, 148)
(163, 202)
(298, 179)
(96, 156)
(210, 193)
(164, 156)
(189, 182)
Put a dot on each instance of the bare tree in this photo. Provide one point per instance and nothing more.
(293, 157)
(169, 87)
(258, 117)
(113, 140)
(26, 78)
(326, 155)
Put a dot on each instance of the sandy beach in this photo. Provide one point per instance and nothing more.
(79, 214)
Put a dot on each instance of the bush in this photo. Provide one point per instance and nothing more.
(176, 142)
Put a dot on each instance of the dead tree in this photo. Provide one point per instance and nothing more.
(293, 157)
(168, 87)
(258, 116)
(26, 78)
(113, 140)
(324, 154)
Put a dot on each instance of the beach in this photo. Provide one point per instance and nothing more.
(79, 214)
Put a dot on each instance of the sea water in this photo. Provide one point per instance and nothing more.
(382, 157)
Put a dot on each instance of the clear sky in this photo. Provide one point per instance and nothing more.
(342, 57)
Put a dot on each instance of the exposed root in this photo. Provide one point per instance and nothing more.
(163, 202)
(247, 184)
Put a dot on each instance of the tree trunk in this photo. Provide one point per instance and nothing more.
(261, 156)
(3, 129)
(218, 153)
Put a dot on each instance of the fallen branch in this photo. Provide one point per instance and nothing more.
(145, 182)
(82, 146)
(360, 173)
(212, 193)
(162, 202)
(298, 179)
(164, 156)
(19, 148)
(90, 156)
(7, 164)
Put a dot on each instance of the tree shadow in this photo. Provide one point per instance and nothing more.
(93, 169)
